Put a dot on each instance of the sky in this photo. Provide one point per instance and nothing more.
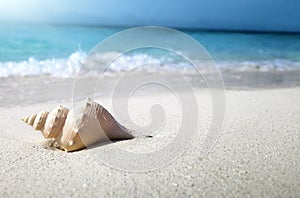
(261, 15)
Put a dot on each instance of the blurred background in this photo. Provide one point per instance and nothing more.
(49, 37)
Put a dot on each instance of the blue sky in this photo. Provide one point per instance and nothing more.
(280, 15)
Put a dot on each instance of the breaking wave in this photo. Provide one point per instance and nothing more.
(70, 66)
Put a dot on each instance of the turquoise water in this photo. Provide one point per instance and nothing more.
(33, 49)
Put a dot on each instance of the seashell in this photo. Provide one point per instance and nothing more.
(86, 124)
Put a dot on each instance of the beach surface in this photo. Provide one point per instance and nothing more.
(256, 154)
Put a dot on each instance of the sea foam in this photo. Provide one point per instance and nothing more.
(69, 67)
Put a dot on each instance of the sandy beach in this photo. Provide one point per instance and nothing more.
(149, 98)
(256, 154)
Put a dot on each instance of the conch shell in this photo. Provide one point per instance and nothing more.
(86, 124)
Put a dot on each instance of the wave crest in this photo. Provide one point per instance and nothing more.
(54, 67)
(70, 66)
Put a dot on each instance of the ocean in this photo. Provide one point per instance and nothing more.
(57, 50)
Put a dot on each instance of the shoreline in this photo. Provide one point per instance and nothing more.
(35, 89)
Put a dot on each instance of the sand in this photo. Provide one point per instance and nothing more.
(256, 154)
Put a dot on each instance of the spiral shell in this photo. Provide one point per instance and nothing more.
(86, 124)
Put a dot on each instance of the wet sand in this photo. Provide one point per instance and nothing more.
(36, 89)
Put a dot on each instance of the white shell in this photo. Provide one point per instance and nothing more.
(76, 129)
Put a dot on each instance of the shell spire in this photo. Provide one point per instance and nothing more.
(29, 119)
(86, 124)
